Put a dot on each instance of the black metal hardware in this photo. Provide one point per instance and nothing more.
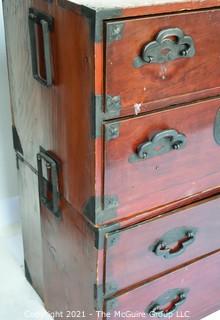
(100, 209)
(48, 182)
(111, 287)
(113, 105)
(101, 233)
(112, 238)
(46, 22)
(175, 298)
(16, 141)
(27, 273)
(170, 44)
(115, 32)
(99, 296)
(161, 143)
(112, 304)
(164, 249)
(112, 131)
(217, 128)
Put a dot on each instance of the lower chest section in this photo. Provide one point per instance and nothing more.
(165, 266)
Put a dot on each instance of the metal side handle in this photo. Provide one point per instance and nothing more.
(46, 22)
(48, 181)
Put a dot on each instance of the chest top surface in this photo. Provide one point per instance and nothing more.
(109, 4)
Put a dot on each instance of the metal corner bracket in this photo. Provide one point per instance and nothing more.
(114, 31)
(112, 131)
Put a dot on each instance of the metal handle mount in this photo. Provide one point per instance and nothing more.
(46, 22)
(48, 181)
(170, 44)
(175, 298)
(161, 143)
(163, 249)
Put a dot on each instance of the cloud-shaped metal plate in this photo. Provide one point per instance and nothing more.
(170, 44)
(161, 143)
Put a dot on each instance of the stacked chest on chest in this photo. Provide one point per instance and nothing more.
(118, 119)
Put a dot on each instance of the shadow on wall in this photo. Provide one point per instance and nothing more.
(8, 180)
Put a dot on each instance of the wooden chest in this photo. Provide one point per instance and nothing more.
(116, 125)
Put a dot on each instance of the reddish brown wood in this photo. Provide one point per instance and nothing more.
(57, 118)
(148, 11)
(158, 82)
(154, 182)
(166, 208)
(73, 140)
(31, 227)
(62, 120)
(140, 262)
(69, 263)
(202, 278)
(170, 7)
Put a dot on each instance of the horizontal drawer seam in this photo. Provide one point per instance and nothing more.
(149, 280)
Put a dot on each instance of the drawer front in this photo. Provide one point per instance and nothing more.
(184, 54)
(191, 292)
(167, 173)
(148, 249)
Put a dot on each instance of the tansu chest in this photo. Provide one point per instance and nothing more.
(116, 125)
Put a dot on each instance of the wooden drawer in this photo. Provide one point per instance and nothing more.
(143, 184)
(194, 290)
(150, 248)
(135, 84)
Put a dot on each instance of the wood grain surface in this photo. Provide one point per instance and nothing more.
(201, 278)
(31, 226)
(158, 82)
(57, 118)
(132, 258)
(154, 182)
(70, 264)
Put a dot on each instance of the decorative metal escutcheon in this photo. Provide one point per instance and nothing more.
(161, 143)
(174, 243)
(170, 44)
(168, 304)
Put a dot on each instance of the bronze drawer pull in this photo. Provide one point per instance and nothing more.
(46, 23)
(175, 298)
(162, 249)
(161, 143)
(165, 48)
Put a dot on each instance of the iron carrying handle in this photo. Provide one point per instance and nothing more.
(157, 311)
(162, 249)
(49, 186)
(46, 22)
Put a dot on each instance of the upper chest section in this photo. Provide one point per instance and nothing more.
(156, 61)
